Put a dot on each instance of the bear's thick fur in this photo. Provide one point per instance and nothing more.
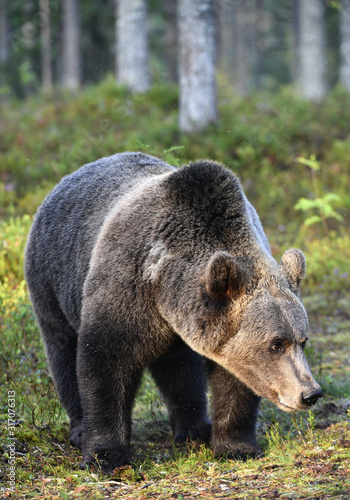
(132, 263)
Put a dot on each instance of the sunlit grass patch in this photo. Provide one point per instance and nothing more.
(306, 455)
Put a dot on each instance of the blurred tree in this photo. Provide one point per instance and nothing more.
(236, 33)
(196, 31)
(296, 40)
(23, 65)
(312, 57)
(345, 44)
(4, 30)
(226, 36)
(257, 42)
(71, 56)
(170, 38)
(258, 45)
(97, 39)
(243, 47)
(45, 29)
(132, 45)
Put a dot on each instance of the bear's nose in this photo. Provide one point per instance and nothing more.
(311, 397)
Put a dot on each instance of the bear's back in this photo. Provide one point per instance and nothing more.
(67, 225)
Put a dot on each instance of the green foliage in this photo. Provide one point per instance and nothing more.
(259, 137)
(274, 437)
(48, 137)
(170, 157)
(323, 205)
(328, 262)
(13, 235)
(327, 251)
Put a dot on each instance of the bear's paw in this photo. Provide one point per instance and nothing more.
(106, 460)
(238, 449)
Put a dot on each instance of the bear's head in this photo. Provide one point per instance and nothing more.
(265, 327)
(255, 327)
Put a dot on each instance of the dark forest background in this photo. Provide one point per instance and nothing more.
(257, 41)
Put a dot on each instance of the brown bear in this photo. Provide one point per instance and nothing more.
(132, 263)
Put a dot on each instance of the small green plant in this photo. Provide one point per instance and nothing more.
(322, 205)
(328, 263)
(274, 436)
(170, 157)
(311, 423)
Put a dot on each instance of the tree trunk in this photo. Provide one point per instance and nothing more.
(132, 46)
(296, 40)
(45, 41)
(242, 80)
(71, 41)
(196, 29)
(312, 57)
(258, 8)
(170, 38)
(345, 44)
(227, 20)
(4, 50)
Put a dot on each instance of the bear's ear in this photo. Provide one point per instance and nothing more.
(223, 277)
(293, 264)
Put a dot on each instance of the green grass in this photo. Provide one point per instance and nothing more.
(306, 456)
(260, 137)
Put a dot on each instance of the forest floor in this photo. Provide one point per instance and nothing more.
(307, 456)
(271, 140)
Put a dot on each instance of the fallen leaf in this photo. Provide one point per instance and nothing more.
(320, 468)
(79, 489)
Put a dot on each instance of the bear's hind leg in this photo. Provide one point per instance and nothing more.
(182, 381)
(61, 350)
(235, 413)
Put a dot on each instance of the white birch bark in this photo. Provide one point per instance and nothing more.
(132, 45)
(45, 45)
(312, 57)
(71, 62)
(196, 64)
(345, 44)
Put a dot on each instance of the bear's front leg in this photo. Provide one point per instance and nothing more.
(107, 387)
(235, 412)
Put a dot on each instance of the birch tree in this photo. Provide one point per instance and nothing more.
(71, 63)
(345, 44)
(196, 28)
(132, 45)
(312, 57)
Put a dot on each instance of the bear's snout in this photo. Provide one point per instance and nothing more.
(311, 397)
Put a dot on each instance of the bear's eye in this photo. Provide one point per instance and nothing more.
(277, 345)
(303, 343)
